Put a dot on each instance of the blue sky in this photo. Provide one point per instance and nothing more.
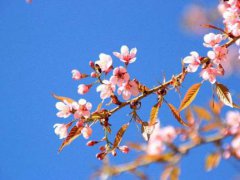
(41, 43)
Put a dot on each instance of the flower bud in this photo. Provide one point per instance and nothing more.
(94, 75)
(83, 89)
(102, 148)
(87, 132)
(91, 64)
(101, 156)
(124, 149)
(91, 143)
(114, 153)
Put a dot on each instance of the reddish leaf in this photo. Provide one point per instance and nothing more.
(154, 113)
(190, 96)
(73, 134)
(119, 135)
(176, 114)
(224, 94)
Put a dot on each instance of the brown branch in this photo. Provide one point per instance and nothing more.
(167, 157)
(166, 84)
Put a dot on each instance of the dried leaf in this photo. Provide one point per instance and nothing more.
(73, 134)
(119, 135)
(212, 161)
(62, 98)
(147, 130)
(202, 113)
(189, 116)
(190, 96)
(224, 94)
(154, 113)
(176, 114)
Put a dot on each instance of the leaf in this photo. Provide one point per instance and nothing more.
(171, 173)
(212, 161)
(119, 135)
(202, 113)
(62, 98)
(190, 96)
(73, 134)
(189, 116)
(224, 94)
(154, 113)
(147, 130)
(176, 114)
(99, 107)
(215, 107)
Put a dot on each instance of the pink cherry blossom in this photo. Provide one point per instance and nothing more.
(120, 75)
(218, 54)
(233, 121)
(126, 56)
(87, 132)
(105, 62)
(83, 88)
(168, 134)
(61, 130)
(210, 73)
(211, 39)
(82, 109)
(236, 145)
(193, 61)
(155, 144)
(106, 89)
(127, 89)
(64, 108)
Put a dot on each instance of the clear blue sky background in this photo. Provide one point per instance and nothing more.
(42, 42)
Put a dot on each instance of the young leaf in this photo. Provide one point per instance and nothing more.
(73, 134)
(224, 94)
(147, 130)
(202, 113)
(119, 135)
(176, 114)
(190, 96)
(212, 161)
(154, 113)
(61, 98)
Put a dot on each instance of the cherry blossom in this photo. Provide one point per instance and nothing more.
(106, 89)
(120, 75)
(168, 134)
(86, 132)
(218, 54)
(211, 39)
(61, 130)
(82, 109)
(127, 89)
(76, 75)
(64, 108)
(126, 56)
(236, 145)
(83, 88)
(193, 61)
(233, 121)
(105, 62)
(210, 73)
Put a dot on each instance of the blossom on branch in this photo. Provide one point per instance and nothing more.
(193, 61)
(126, 56)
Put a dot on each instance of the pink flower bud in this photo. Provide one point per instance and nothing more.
(83, 89)
(91, 64)
(114, 153)
(124, 149)
(76, 75)
(102, 148)
(101, 156)
(91, 143)
(79, 123)
(94, 75)
(87, 132)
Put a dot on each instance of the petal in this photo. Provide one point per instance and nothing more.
(117, 54)
(82, 102)
(89, 106)
(188, 60)
(133, 51)
(124, 50)
(60, 105)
